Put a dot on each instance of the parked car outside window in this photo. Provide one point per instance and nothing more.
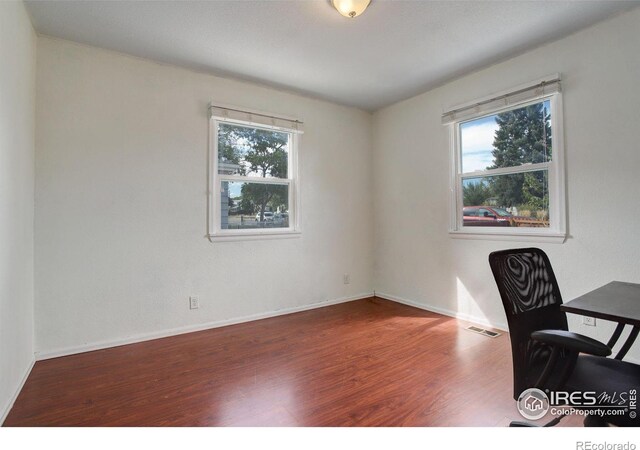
(268, 217)
(485, 216)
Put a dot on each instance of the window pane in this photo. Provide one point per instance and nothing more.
(253, 205)
(508, 139)
(515, 200)
(252, 151)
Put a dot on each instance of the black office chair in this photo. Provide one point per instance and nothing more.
(545, 354)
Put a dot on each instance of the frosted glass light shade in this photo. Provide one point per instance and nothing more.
(350, 8)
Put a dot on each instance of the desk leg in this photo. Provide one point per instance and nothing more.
(616, 335)
(629, 342)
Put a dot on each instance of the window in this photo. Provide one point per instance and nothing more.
(507, 159)
(253, 177)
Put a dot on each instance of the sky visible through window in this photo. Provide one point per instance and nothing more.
(249, 151)
(477, 142)
(235, 190)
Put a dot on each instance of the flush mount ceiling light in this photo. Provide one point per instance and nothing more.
(350, 8)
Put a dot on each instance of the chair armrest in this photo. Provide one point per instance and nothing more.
(571, 341)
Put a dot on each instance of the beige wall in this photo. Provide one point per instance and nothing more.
(17, 112)
(416, 259)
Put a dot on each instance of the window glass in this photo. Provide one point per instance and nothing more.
(508, 139)
(254, 191)
(507, 155)
(467, 211)
(513, 200)
(253, 205)
(253, 152)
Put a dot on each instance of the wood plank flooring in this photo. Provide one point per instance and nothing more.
(365, 363)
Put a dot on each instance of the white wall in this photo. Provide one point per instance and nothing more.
(416, 260)
(17, 112)
(121, 203)
(121, 194)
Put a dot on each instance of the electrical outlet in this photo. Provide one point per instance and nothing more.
(591, 321)
(194, 303)
(346, 278)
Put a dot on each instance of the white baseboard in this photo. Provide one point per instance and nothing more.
(4, 412)
(39, 356)
(446, 312)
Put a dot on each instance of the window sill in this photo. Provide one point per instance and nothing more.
(253, 236)
(549, 237)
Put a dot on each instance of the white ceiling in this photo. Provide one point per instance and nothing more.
(395, 50)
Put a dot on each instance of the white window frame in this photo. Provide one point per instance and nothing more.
(215, 232)
(556, 232)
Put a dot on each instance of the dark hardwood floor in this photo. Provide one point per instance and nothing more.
(365, 363)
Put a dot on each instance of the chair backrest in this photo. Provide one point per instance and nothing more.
(531, 300)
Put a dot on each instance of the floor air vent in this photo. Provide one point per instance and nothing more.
(483, 331)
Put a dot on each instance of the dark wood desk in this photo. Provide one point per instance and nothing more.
(618, 302)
